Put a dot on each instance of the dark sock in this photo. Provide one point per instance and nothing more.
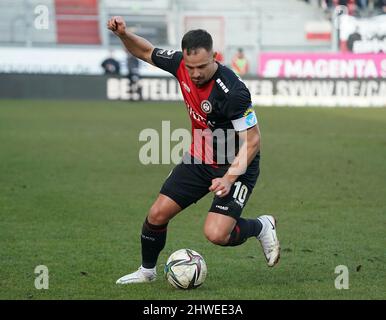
(153, 239)
(244, 229)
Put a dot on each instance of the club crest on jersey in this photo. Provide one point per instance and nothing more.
(206, 106)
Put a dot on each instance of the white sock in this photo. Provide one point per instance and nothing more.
(149, 271)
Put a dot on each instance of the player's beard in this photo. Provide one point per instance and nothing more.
(199, 82)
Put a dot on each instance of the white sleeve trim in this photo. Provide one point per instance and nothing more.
(246, 122)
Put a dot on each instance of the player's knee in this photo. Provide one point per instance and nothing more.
(217, 237)
(157, 216)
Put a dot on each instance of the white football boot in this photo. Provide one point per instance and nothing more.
(268, 240)
(140, 276)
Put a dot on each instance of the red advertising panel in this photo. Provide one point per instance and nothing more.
(77, 21)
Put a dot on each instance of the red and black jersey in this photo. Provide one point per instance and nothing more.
(217, 110)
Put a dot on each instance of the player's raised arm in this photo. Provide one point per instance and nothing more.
(136, 45)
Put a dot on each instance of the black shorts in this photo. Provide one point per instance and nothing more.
(188, 183)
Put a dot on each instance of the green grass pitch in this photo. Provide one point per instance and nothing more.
(73, 197)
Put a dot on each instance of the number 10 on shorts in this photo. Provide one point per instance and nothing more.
(241, 192)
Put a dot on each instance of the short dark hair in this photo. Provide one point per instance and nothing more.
(196, 39)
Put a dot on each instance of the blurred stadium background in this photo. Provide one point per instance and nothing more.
(329, 53)
(73, 194)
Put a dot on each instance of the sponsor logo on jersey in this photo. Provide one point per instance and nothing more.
(185, 86)
(206, 106)
(222, 85)
(222, 207)
(163, 53)
(193, 114)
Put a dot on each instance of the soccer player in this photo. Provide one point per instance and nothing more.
(223, 121)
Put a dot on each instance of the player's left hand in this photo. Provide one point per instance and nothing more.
(220, 186)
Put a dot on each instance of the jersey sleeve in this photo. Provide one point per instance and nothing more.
(240, 112)
(168, 60)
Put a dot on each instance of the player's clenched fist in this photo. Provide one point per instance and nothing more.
(117, 25)
(220, 186)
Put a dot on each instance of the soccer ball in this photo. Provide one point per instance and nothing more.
(185, 269)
